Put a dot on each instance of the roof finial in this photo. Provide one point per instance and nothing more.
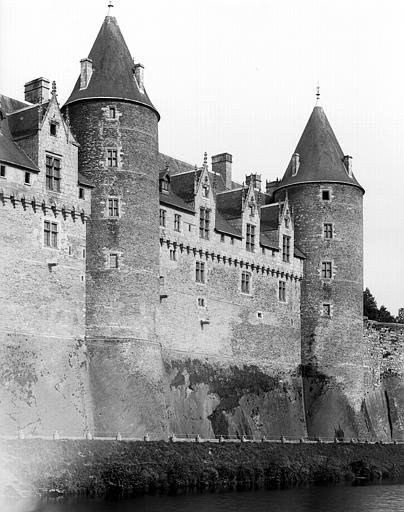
(318, 93)
(53, 88)
(110, 5)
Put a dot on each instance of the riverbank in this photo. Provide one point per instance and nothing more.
(96, 467)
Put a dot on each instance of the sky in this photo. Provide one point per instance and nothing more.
(240, 76)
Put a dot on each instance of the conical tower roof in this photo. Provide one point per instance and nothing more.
(321, 158)
(113, 69)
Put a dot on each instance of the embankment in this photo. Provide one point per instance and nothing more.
(123, 467)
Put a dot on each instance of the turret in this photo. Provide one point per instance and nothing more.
(115, 124)
(327, 204)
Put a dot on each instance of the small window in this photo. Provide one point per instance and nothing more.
(50, 234)
(189, 227)
(325, 195)
(201, 302)
(245, 282)
(328, 232)
(81, 193)
(252, 210)
(113, 207)
(259, 314)
(204, 223)
(112, 112)
(161, 280)
(53, 128)
(222, 238)
(177, 222)
(27, 178)
(53, 173)
(282, 291)
(286, 248)
(250, 241)
(84, 253)
(263, 250)
(231, 240)
(200, 272)
(112, 157)
(173, 255)
(162, 218)
(82, 279)
(113, 260)
(326, 269)
(326, 309)
(2, 171)
(287, 222)
(205, 187)
(164, 186)
(70, 250)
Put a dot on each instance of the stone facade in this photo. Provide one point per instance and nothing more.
(141, 294)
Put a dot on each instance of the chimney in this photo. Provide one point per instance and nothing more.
(222, 164)
(348, 164)
(271, 186)
(37, 91)
(138, 71)
(256, 179)
(85, 72)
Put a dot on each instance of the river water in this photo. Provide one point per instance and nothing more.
(359, 498)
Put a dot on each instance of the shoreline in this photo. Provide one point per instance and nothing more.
(124, 468)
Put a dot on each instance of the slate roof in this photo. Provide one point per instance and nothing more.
(321, 157)
(112, 69)
(9, 105)
(26, 122)
(10, 153)
(83, 180)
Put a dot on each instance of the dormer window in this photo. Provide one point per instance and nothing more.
(53, 128)
(164, 186)
(205, 187)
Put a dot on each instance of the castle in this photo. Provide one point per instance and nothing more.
(141, 294)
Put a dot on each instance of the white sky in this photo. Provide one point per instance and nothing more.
(240, 76)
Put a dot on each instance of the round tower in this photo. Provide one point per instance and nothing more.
(327, 204)
(116, 125)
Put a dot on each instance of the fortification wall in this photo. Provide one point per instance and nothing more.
(384, 379)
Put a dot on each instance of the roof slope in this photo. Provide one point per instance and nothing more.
(321, 157)
(112, 69)
(10, 153)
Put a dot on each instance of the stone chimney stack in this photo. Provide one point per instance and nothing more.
(85, 72)
(222, 164)
(138, 71)
(255, 178)
(37, 91)
(271, 186)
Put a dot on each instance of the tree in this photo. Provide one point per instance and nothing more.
(400, 317)
(385, 315)
(370, 305)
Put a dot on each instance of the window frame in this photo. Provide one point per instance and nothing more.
(113, 257)
(51, 234)
(286, 248)
(326, 269)
(111, 157)
(328, 229)
(245, 283)
(27, 174)
(112, 110)
(163, 218)
(200, 272)
(326, 191)
(53, 127)
(113, 207)
(326, 310)
(204, 222)
(250, 237)
(177, 222)
(282, 290)
(53, 166)
(3, 171)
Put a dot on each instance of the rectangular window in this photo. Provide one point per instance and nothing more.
(200, 272)
(112, 112)
(113, 207)
(53, 129)
(282, 291)
(81, 193)
(53, 173)
(326, 269)
(27, 178)
(263, 250)
(204, 221)
(245, 282)
(286, 248)
(162, 218)
(231, 240)
(222, 238)
(113, 260)
(173, 255)
(325, 195)
(328, 230)
(2, 171)
(177, 222)
(201, 302)
(164, 186)
(112, 158)
(250, 241)
(50, 233)
(326, 309)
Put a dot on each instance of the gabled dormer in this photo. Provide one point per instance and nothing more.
(165, 181)
(251, 213)
(286, 231)
(205, 200)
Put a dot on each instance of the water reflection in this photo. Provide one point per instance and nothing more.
(369, 498)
